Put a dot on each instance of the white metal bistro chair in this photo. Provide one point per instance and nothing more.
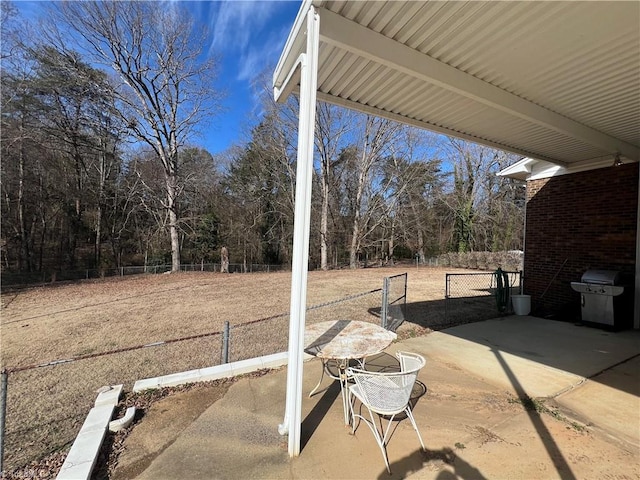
(386, 394)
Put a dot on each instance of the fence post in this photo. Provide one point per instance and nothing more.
(225, 343)
(385, 298)
(520, 284)
(3, 413)
(446, 296)
(404, 310)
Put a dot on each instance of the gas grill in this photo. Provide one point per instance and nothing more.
(605, 298)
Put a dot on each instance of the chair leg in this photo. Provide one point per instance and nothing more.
(372, 426)
(386, 437)
(415, 426)
(352, 402)
(380, 440)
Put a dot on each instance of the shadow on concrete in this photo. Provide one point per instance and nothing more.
(575, 348)
(440, 314)
(419, 459)
(318, 412)
(580, 350)
(560, 463)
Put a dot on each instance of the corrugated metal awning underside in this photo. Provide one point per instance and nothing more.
(556, 81)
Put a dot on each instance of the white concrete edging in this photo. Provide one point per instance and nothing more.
(213, 373)
(83, 454)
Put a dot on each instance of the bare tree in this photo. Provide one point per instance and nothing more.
(14, 95)
(75, 102)
(259, 183)
(376, 136)
(332, 124)
(9, 31)
(487, 210)
(414, 178)
(166, 89)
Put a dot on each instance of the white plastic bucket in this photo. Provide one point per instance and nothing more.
(521, 304)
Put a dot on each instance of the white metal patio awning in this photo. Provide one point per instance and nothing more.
(558, 82)
(555, 81)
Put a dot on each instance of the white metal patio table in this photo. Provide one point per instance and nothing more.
(341, 341)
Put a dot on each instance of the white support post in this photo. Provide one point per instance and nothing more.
(308, 86)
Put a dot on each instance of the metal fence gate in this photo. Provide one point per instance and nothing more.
(471, 297)
(394, 301)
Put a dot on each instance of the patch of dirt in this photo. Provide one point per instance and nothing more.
(484, 435)
(166, 413)
(131, 451)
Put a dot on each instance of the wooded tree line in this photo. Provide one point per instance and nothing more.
(101, 166)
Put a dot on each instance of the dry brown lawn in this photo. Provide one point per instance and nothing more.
(47, 405)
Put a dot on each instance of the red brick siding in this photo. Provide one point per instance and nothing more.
(574, 223)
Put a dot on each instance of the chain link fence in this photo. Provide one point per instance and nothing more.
(394, 301)
(11, 279)
(46, 404)
(471, 297)
(507, 260)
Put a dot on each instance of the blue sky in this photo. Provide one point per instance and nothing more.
(247, 37)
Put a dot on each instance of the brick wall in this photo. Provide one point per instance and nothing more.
(577, 222)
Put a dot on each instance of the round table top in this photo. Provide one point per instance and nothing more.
(345, 339)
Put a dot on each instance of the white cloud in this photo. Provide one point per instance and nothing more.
(255, 58)
(244, 29)
(234, 23)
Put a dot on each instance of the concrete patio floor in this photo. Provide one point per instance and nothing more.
(468, 413)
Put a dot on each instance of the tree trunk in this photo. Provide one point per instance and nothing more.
(244, 257)
(391, 245)
(175, 240)
(353, 249)
(420, 233)
(25, 254)
(173, 222)
(324, 224)
(102, 172)
(355, 230)
(420, 246)
(98, 231)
